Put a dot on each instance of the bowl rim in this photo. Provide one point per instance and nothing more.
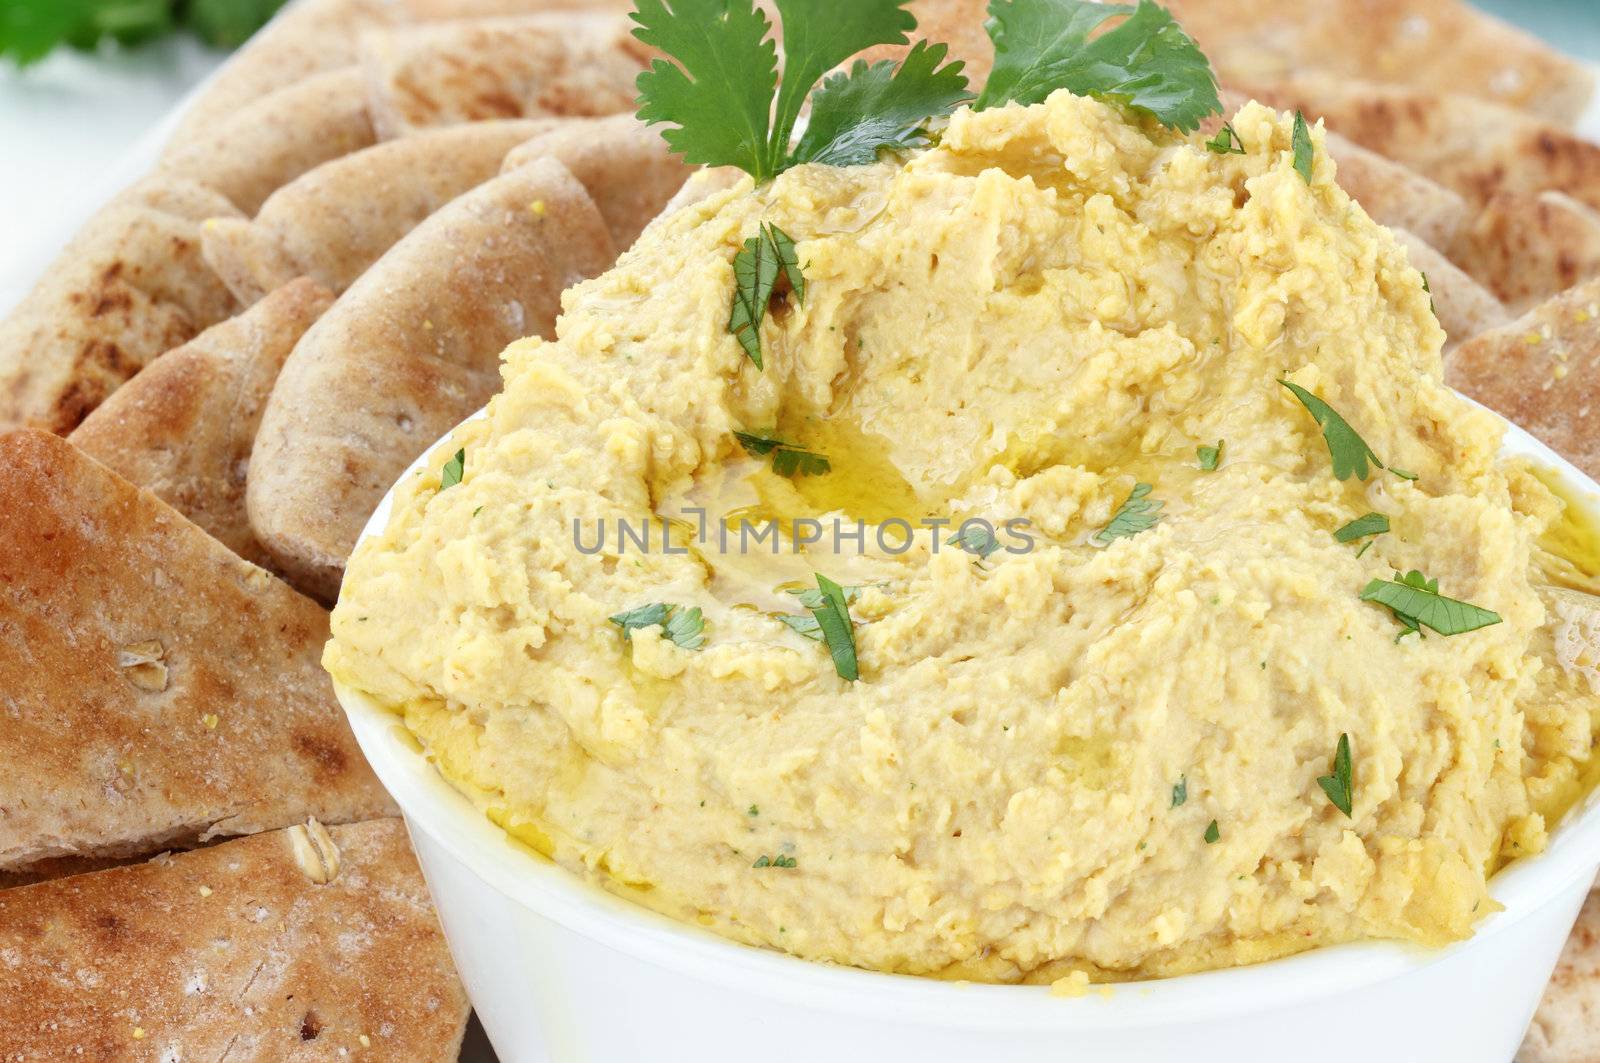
(454, 824)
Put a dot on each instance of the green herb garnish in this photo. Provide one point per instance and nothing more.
(1302, 147)
(1339, 786)
(1361, 527)
(1416, 602)
(1139, 513)
(1213, 833)
(720, 95)
(775, 861)
(787, 459)
(975, 538)
(1226, 142)
(1180, 791)
(1349, 451)
(1209, 456)
(685, 627)
(1147, 63)
(832, 614)
(453, 470)
(765, 258)
(32, 29)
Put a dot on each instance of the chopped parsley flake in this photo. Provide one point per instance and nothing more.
(453, 470)
(1213, 833)
(1302, 147)
(775, 861)
(1226, 142)
(1339, 786)
(1416, 602)
(1180, 791)
(787, 459)
(1209, 456)
(1139, 513)
(685, 627)
(1361, 527)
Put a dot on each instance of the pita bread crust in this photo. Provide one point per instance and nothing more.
(334, 222)
(410, 350)
(1463, 306)
(233, 952)
(1542, 372)
(184, 427)
(1566, 1028)
(623, 164)
(445, 73)
(1527, 248)
(1397, 197)
(129, 286)
(157, 690)
(262, 147)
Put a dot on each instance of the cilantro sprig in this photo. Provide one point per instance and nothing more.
(1340, 785)
(32, 29)
(1416, 602)
(787, 459)
(767, 260)
(1147, 63)
(685, 627)
(1139, 513)
(721, 98)
(830, 623)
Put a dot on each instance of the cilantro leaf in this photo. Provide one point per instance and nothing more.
(787, 459)
(833, 618)
(1226, 142)
(1361, 527)
(855, 115)
(1209, 457)
(685, 627)
(1148, 62)
(1180, 791)
(1213, 833)
(1340, 786)
(453, 470)
(1416, 602)
(755, 279)
(775, 861)
(1139, 513)
(1349, 451)
(1302, 149)
(720, 95)
(228, 23)
(975, 537)
(812, 598)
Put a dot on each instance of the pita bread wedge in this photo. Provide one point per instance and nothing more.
(445, 73)
(1564, 1029)
(184, 427)
(306, 944)
(1434, 45)
(255, 151)
(1479, 149)
(1527, 248)
(624, 165)
(157, 690)
(1542, 372)
(406, 353)
(129, 286)
(334, 222)
(1464, 307)
(956, 23)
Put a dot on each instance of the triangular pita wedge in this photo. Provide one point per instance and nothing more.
(1397, 197)
(408, 351)
(625, 166)
(184, 427)
(156, 689)
(1566, 1028)
(1542, 372)
(1463, 306)
(306, 944)
(1477, 148)
(958, 24)
(1526, 248)
(445, 73)
(260, 148)
(334, 222)
(1432, 45)
(129, 286)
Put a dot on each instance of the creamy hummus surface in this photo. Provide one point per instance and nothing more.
(1073, 757)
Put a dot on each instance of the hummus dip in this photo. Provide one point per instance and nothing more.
(1083, 755)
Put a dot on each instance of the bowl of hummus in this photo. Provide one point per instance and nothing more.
(1031, 594)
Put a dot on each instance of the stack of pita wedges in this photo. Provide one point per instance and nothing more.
(200, 402)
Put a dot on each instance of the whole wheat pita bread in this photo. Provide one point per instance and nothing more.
(408, 351)
(129, 286)
(157, 690)
(1432, 45)
(1527, 248)
(444, 73)
(1463, 306)
(625, 166)
(1542, 372)
(184, 427)
(1566, 1028)
(236, 952)
(1479, 149)
(255, 151)
(334, 222)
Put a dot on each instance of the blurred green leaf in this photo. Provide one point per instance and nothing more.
(32, 29)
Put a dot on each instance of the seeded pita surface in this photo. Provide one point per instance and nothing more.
(1542, 372)
(334, 222)
(1528, 247)
(624, 165)
(184, 427)
(411, 349)
(1433, 45)
(155, 690)
(237, 952)
(1566, 1028)
(445, 73)
(130, 286)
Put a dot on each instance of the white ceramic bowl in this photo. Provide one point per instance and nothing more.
(563, 972)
